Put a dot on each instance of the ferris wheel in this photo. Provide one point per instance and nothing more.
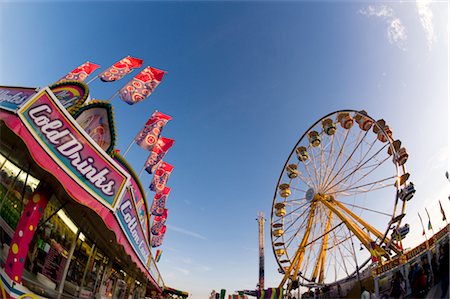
(340, 200)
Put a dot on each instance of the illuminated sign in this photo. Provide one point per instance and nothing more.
(74, 151)
(12, 97)
(129, 221)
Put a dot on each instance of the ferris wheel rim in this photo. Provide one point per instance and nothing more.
(302, 137)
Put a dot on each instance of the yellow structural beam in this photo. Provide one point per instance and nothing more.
(322, 255)
(298, 257)
(324, 252)
(373, 230)
(363, 237)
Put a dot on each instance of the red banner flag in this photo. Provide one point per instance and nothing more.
(150, 133)
(159, 151)
(158, 239)
(161, 176)
(159, 202)
(81, 72)
(120, 69)
(141, 86)
(159, 222)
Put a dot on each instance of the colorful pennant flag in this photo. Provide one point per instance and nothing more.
(81, 72)
(442, 212)
(158, 255)
(429, 220)
(158, 223)
(120, 69)
(141, 86)
(159, 202)
(161, 176)
(159, 151)
(150, 133)
(421, 222)
(272, 293)
(157, 240)
(373, 252)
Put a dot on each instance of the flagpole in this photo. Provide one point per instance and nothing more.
(128, 148)
(442, 212)
(113, 96)
(94, 78)
(429, 222)
(140, 173)
(423, 227)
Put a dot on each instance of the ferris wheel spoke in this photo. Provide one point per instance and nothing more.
(349, 157)
(296, 209)
(353, 171)
(366, 209)
(311, 179)
(298, 189)
(305, 180)
(299, 255)
(337, 157)
(322, 149)
(352, 187)
(328, 160)
(362, 174)
(360, 191)
(313, 162)
(291, 238)
(340, 252)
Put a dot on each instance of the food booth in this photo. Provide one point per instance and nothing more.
(74, 218)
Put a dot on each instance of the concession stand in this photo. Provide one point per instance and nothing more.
(74, 218)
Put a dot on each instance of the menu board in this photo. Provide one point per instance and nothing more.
(54, 264)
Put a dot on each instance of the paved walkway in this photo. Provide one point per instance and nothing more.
(435, 292)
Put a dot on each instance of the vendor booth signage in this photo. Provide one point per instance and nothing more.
(72, 149)
(129, 221)
(12, 97)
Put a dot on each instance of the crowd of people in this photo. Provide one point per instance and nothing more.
(423, 276)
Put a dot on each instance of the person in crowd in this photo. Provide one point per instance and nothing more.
(434, 267)
(365, 294)
(443, 269)
(422, 283)
(397, 286)
(427, 269)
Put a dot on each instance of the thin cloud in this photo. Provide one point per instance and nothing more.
(182, 270)
(186, 232)
(396, 31)
(426, 19)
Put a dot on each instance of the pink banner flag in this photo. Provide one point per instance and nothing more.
(141, 86)
(159, 151)
(158, 223)
(120, 69)
(81, 72)
(161, 176)
(150, 133)
(159, 202)
(158, 239)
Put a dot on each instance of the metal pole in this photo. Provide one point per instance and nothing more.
(91, 254)
(356, 263)
(128, 148)
(113, 96)
(261, 250)
(66, 266)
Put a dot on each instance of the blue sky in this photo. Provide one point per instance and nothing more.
(245, 80)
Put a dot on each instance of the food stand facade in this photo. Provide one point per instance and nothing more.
(74, 219)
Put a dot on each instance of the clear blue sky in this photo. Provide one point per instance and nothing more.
(245, 80)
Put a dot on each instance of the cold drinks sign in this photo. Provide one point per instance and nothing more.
(66, 142)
